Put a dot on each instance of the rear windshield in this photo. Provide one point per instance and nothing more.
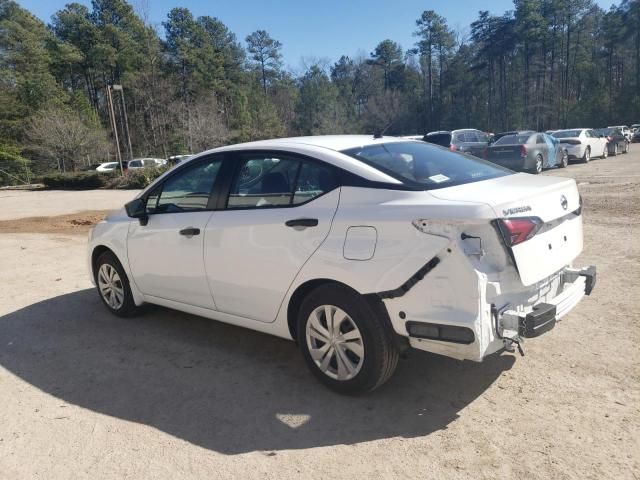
(567, 134)
(424, 166)
(513, 140)
(443, 139)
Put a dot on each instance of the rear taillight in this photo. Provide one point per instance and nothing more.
(518, 230)
(523, 151)
(452, 147)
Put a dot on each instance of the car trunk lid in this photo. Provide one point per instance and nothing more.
(555, 201)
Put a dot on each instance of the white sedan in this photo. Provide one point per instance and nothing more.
(356, 247)
(583, 143)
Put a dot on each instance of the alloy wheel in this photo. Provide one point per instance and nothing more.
(110, 286)
(538, 164)
(334, 342)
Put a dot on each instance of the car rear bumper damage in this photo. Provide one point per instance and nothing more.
(542, 317)
(500, 321)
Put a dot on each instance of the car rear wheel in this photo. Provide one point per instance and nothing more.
(587, 155)
(538, 166)
(113, 286)
(565, 159)
(347, 346)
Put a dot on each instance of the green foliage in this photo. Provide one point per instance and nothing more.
(544, 64)
(76, 180)
(14, 169)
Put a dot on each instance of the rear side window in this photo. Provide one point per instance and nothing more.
(470, 137)
(424, 166)
(266, 181)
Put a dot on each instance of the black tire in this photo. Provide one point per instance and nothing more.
(380, 357)
(587, 155)
(565, 159)
(128, 307)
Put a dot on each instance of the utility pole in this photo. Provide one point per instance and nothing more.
(112, 117)
(126, 119)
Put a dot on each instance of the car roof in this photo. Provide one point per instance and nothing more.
(327, 148)
(330, 142)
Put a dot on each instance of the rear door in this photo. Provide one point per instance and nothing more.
(279, 210)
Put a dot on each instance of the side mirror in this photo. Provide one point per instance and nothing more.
(137, 208)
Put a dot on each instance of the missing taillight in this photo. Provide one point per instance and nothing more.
(518, 230)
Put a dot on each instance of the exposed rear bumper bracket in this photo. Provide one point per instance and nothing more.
(540, 320)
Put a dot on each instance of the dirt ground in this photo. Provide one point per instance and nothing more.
(84, 394)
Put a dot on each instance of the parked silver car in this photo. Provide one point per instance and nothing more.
(531, 152)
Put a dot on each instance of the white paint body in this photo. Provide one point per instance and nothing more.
(247, 264)
(588, 139)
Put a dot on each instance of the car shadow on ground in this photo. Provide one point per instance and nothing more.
(221, 387)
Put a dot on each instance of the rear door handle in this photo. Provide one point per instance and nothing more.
(302, 222)
(190, 231)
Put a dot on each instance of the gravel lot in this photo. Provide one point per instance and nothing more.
(167, 395)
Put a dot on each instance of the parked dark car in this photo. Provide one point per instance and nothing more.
(636, 136)
(466, 140)
(618, 142)
(530, 152)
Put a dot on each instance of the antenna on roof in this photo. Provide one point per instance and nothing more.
(382, 132)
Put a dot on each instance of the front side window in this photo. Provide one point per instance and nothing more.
(186, 191)
(266, 180)
(424, 166)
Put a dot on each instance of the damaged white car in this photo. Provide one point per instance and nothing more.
(355, 247)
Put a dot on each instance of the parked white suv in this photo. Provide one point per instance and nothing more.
(355, 247)
(583, 143)
(137, 163)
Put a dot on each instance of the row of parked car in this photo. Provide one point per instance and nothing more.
(532, 151)
(136, 164)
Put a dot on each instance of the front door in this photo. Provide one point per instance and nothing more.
(165, 255)
(279, 210)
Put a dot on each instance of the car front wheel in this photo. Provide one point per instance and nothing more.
(587, 155)
(113, 286)
(347, 346)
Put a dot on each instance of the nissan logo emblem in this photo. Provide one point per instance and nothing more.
(564, 202)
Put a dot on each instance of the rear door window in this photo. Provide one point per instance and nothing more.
(274, 180)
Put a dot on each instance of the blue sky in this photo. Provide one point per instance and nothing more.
(318, 29)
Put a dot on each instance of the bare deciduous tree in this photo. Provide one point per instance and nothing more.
(66, 137)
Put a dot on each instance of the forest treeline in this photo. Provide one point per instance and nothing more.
(191, 84)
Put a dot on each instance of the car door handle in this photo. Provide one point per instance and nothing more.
(190, 231)
(302, 222)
